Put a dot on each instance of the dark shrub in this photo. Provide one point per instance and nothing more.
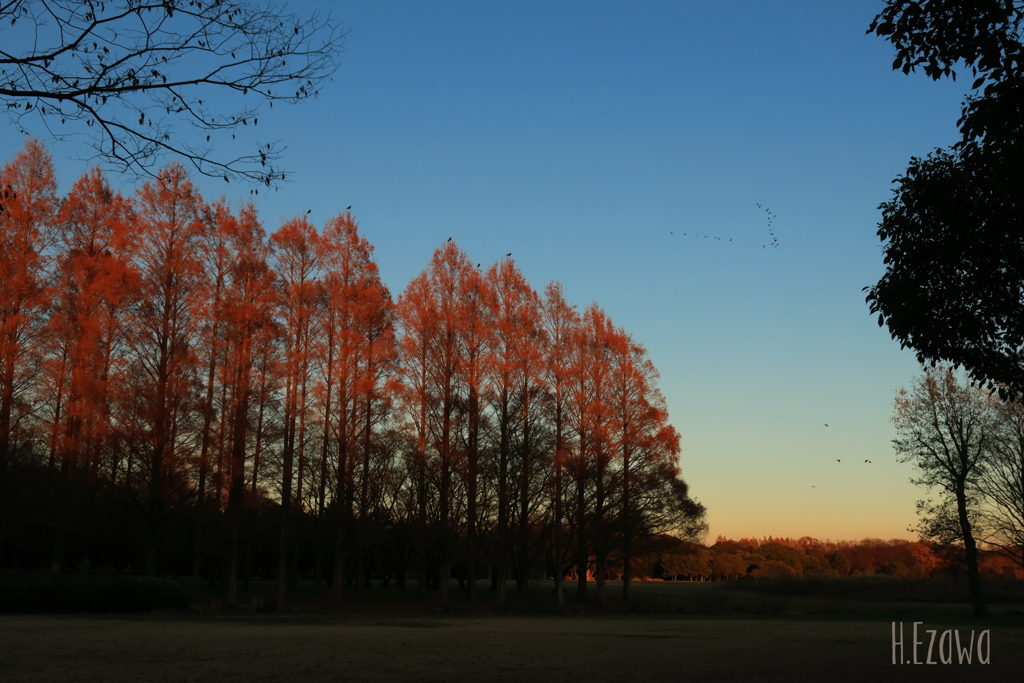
(64, 593)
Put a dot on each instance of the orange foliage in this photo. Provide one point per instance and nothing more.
(162, 348)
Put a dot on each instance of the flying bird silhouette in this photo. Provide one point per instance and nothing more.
(348, 207)
(449, 239)
(838, 460)
(867, 461)
(826, 425)
(771, 217)
(508, 254)
(309, 211)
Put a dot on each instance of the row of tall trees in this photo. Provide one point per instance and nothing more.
(163, 356)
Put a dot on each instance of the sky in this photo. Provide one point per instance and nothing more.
(599, 143)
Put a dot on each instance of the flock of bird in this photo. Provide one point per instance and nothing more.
(347, 208)
(840, 459)
(771, 217)
(774, 242)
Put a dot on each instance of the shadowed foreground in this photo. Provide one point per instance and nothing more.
(314, 649)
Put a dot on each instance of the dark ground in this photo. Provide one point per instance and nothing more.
(674, 632)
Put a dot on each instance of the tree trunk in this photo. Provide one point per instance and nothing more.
(444, 574)
(197, 558)
(556, 537)
(627, 576)
(971, 547)
(286, 505)
(581, 544)
(233, 562)
(338, 580)
(472, 456)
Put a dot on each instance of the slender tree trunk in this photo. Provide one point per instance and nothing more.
(338, 580)
(6, 405)
(600, 530)
(237, 481)
(246, 552)
(971, 547)
(627, 523)
(421, 523)
(233, 560)
(501, 552)
(556, 536)
(472, 456)
(363, 575)
(343, 498)
(321, 517)
(627, 576)
(286, 500)
(258, 446)
(522, 580)
(443, 579)
(582, 561)
(325, 452)
(197, 557)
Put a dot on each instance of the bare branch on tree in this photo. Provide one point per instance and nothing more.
(135, 71)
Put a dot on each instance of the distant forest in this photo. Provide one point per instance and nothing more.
(181, 393)
(760, 558)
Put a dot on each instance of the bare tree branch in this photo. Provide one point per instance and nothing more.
(130, 70)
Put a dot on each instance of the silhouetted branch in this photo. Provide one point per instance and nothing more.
(128, 70)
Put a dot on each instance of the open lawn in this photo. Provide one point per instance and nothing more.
(674, 632)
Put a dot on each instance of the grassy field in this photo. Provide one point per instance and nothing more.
(775, 631)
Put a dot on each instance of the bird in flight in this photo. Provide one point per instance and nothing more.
(449, 239)
(771, 217)
(826, 425)
(672, 232)
(508, 254)
(867, 461)
(838, 460)
(310, 210)
(348, 207)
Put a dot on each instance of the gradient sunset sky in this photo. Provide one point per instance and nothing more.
(600, 142)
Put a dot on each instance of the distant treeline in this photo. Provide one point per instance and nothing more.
(758, 558)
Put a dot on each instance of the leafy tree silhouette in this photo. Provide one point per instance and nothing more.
(954, 248)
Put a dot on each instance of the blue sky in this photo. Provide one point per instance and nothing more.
(586, 138)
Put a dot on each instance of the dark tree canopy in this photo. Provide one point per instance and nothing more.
(954, 280)
(953, 289)
(161, 77)
(985, 35)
